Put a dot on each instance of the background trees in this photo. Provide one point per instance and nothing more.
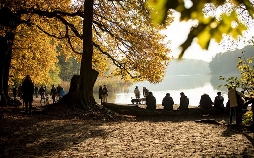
(121, 34)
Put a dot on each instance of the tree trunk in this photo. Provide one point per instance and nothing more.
(88, 76)
(6, 43)
(9, 21)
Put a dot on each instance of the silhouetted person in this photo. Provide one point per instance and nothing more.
(53, 93)
(184, 102)
(236, 104)
(145, 92)
(36, 90)
(104, 94)
(219, 102)
(205, 102)
(42, 92)
(137, 92)
(14, 92)
(150, 101)
(59, 90)
(28, 91)
(168, 102)
(19, 91)
(100, 93)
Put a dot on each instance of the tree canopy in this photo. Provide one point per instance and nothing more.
(214, 18)
(122, 33)
(101, 31)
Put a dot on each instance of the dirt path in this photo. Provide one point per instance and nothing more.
(48, 135)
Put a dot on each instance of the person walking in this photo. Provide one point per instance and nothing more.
(28, 91)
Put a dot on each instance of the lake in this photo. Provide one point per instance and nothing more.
(192, 85)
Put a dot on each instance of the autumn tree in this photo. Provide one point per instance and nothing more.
(96, 31)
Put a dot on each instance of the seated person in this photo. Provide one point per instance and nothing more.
(184, 102)
(205, 102)
(218, 101)
(150, 101)
(168, 102)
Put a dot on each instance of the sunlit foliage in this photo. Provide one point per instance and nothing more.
(122, 36)
(246, 80)
(213, 18)
(33, 54)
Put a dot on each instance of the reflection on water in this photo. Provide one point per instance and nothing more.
(193, 95)
(192, 85)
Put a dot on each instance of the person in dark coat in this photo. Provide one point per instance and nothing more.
(168, 102)
(150, 101)
(184, 102)
(104, 94)
(219, 102)
(100, 93)
(53, 93)
(28, 91)
(36, 90)
(205, 102)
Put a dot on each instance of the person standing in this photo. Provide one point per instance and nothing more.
(42, 92)
(236, 104)
(100, 93)
(184, 102)
(137, 92)
(14, 92)
(59, 90)
(104, 94)
(36, 89)
(53, 93)
(27, 89)
(145, 92)
(168, 102)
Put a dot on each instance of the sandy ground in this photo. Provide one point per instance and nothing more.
(48, 135)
